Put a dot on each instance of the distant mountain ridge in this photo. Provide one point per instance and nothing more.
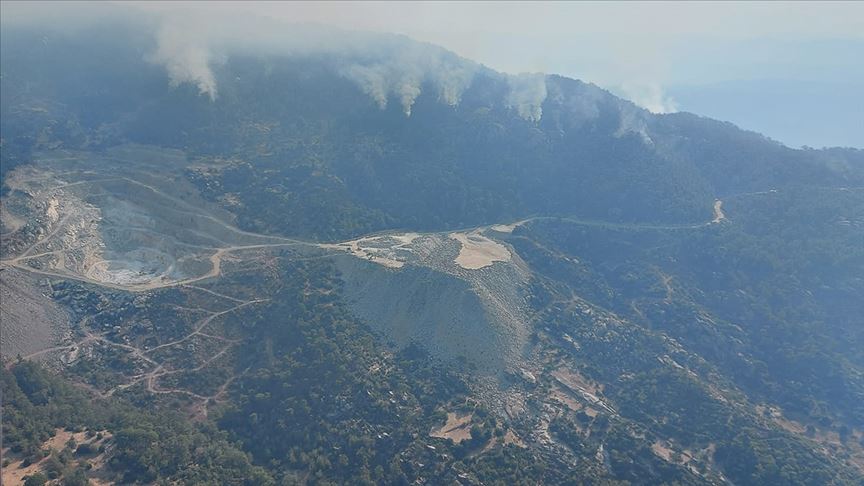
(500, 147)
(383, 263)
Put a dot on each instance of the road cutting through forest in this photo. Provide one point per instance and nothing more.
(476, 250)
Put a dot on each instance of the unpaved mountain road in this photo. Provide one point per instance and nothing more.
(159, 370)
(231, 241)
(215, 269)
(203, 323)
(58, 226)
(216, 258)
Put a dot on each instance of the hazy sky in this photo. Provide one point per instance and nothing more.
(604, 42)
(714, 58)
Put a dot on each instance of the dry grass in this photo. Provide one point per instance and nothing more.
(14, 474)
(661, 451)
(565, 398)
(575, 381)
(511, 438)
(457, 428)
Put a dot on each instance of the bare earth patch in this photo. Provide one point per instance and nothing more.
(9, 223)
(581, 386)
(30, 321)
(457, 428)
(478, 251)
(14, 474)
(851, 450)
(511, 438)
(383, 250)
(565, 398)
(503, 228)
(508, 228)
(125, 230)
(661, 451)
(576, 381)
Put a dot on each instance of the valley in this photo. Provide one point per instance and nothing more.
(340, 269)
(113, 228)
(464, 295)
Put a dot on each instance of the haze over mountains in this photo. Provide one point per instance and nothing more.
(316, 256)
(650, 52)
(765, 103)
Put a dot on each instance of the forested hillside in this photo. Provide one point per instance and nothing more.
(302, 271)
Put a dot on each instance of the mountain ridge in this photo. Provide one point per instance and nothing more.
(584, 291)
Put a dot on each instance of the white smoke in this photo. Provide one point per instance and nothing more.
(186, 57)
(382, 66)
(633, 121)
(408, 91)
(380, 81)
(452, 80)
(401, 71)
(371, 79)
(527, 93)
(649, 96)
(583, 104)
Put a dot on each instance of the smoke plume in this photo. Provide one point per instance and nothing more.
(186, 57)
(401, 71)
(650, 96)
(527, 93)
(384, 66)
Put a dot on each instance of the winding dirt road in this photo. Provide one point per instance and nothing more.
(216, 258)
(219, 254)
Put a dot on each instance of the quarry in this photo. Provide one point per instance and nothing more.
(68, 216)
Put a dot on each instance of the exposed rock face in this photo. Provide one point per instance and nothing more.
(31, 321)
(471, 314)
